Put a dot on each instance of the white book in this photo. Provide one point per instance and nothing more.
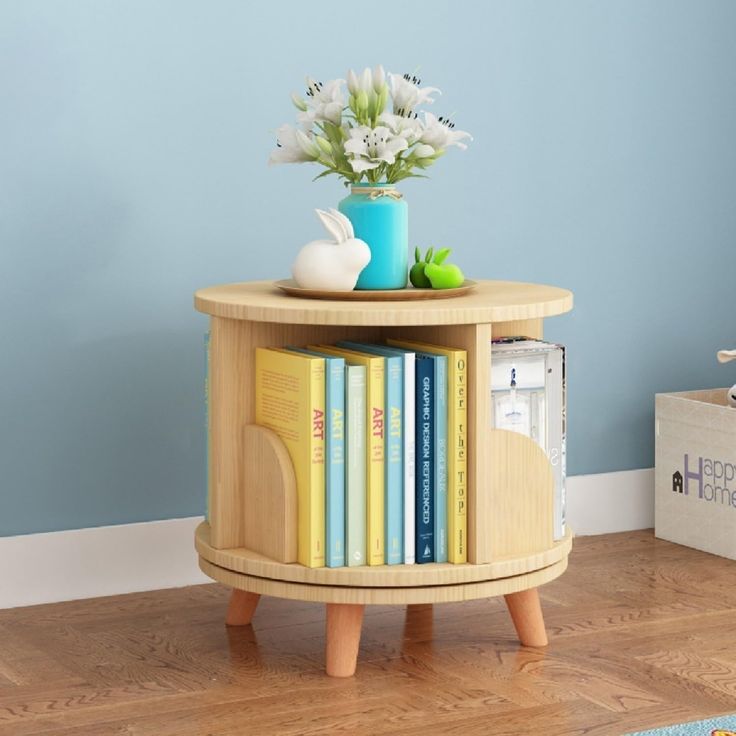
(355, 491)
(409, 450)
(556, 400)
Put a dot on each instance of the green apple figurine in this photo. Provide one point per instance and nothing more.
(416, 274)
(439, 274)
(448, 276)
(434, 272)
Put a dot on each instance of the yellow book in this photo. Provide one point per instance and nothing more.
(457, 434)
(290, 400)
(375, 427)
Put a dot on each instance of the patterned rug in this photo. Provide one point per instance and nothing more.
(720, 726)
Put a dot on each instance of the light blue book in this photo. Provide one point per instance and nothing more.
(394, 447)
(409, 430)
(335, 456)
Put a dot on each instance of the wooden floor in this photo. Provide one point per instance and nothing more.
(642, 633)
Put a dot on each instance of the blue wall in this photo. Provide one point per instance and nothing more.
(133, 142)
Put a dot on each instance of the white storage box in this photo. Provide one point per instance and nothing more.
(695, 475)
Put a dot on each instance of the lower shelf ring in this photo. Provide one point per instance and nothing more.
(384, 595)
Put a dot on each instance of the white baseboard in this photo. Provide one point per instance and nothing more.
(611, 502)
(107, 560)
(110, 560)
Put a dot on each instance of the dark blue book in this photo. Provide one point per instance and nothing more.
(425, 436)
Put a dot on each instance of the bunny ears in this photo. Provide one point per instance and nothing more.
(725, 355)
(336, 224)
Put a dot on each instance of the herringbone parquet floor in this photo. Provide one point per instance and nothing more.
(643, 633)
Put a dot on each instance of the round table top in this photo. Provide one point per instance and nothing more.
(490, 301)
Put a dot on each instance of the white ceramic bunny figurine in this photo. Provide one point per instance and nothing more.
(332, 265)
(724, 356)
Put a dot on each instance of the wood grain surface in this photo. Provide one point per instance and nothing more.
(383, 595)
(290, 287)
(270, 503)
(522, 497)
(248, 562)
(641, 635)
(490, 301)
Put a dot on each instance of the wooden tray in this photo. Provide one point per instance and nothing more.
(289, 286)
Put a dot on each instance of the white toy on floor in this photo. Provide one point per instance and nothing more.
(724, 356)
(332, 265)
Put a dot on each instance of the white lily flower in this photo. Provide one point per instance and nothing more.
(353, 83)
(325, 102)
(379, 78)
(324, 145)
(363, 82)
(377, 143)
(370, 147)
(366, 80)
(440, 133)
(298, 102)
(291, 147)
(423, 150)
(409, 128)
(368, 94)
(307, 144)
(407, 94)
(359, 165)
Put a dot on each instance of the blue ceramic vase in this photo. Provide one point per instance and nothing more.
(380, 217)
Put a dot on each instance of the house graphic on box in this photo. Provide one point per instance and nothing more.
(677, 481)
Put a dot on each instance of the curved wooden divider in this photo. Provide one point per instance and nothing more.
(522, 489)
(269, 495)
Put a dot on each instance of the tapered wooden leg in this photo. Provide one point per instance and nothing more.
(344, 622)
(418, 625)
(241, 608)
(526, 613)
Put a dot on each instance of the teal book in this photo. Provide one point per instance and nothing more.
(393, 447)
(335, 456)
(356, 450)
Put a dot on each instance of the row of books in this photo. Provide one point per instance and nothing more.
(360, 434)
(377, 436)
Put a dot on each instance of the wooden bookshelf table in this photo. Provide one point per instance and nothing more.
(248, 542)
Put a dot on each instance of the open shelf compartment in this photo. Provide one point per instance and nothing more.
(510, 482)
